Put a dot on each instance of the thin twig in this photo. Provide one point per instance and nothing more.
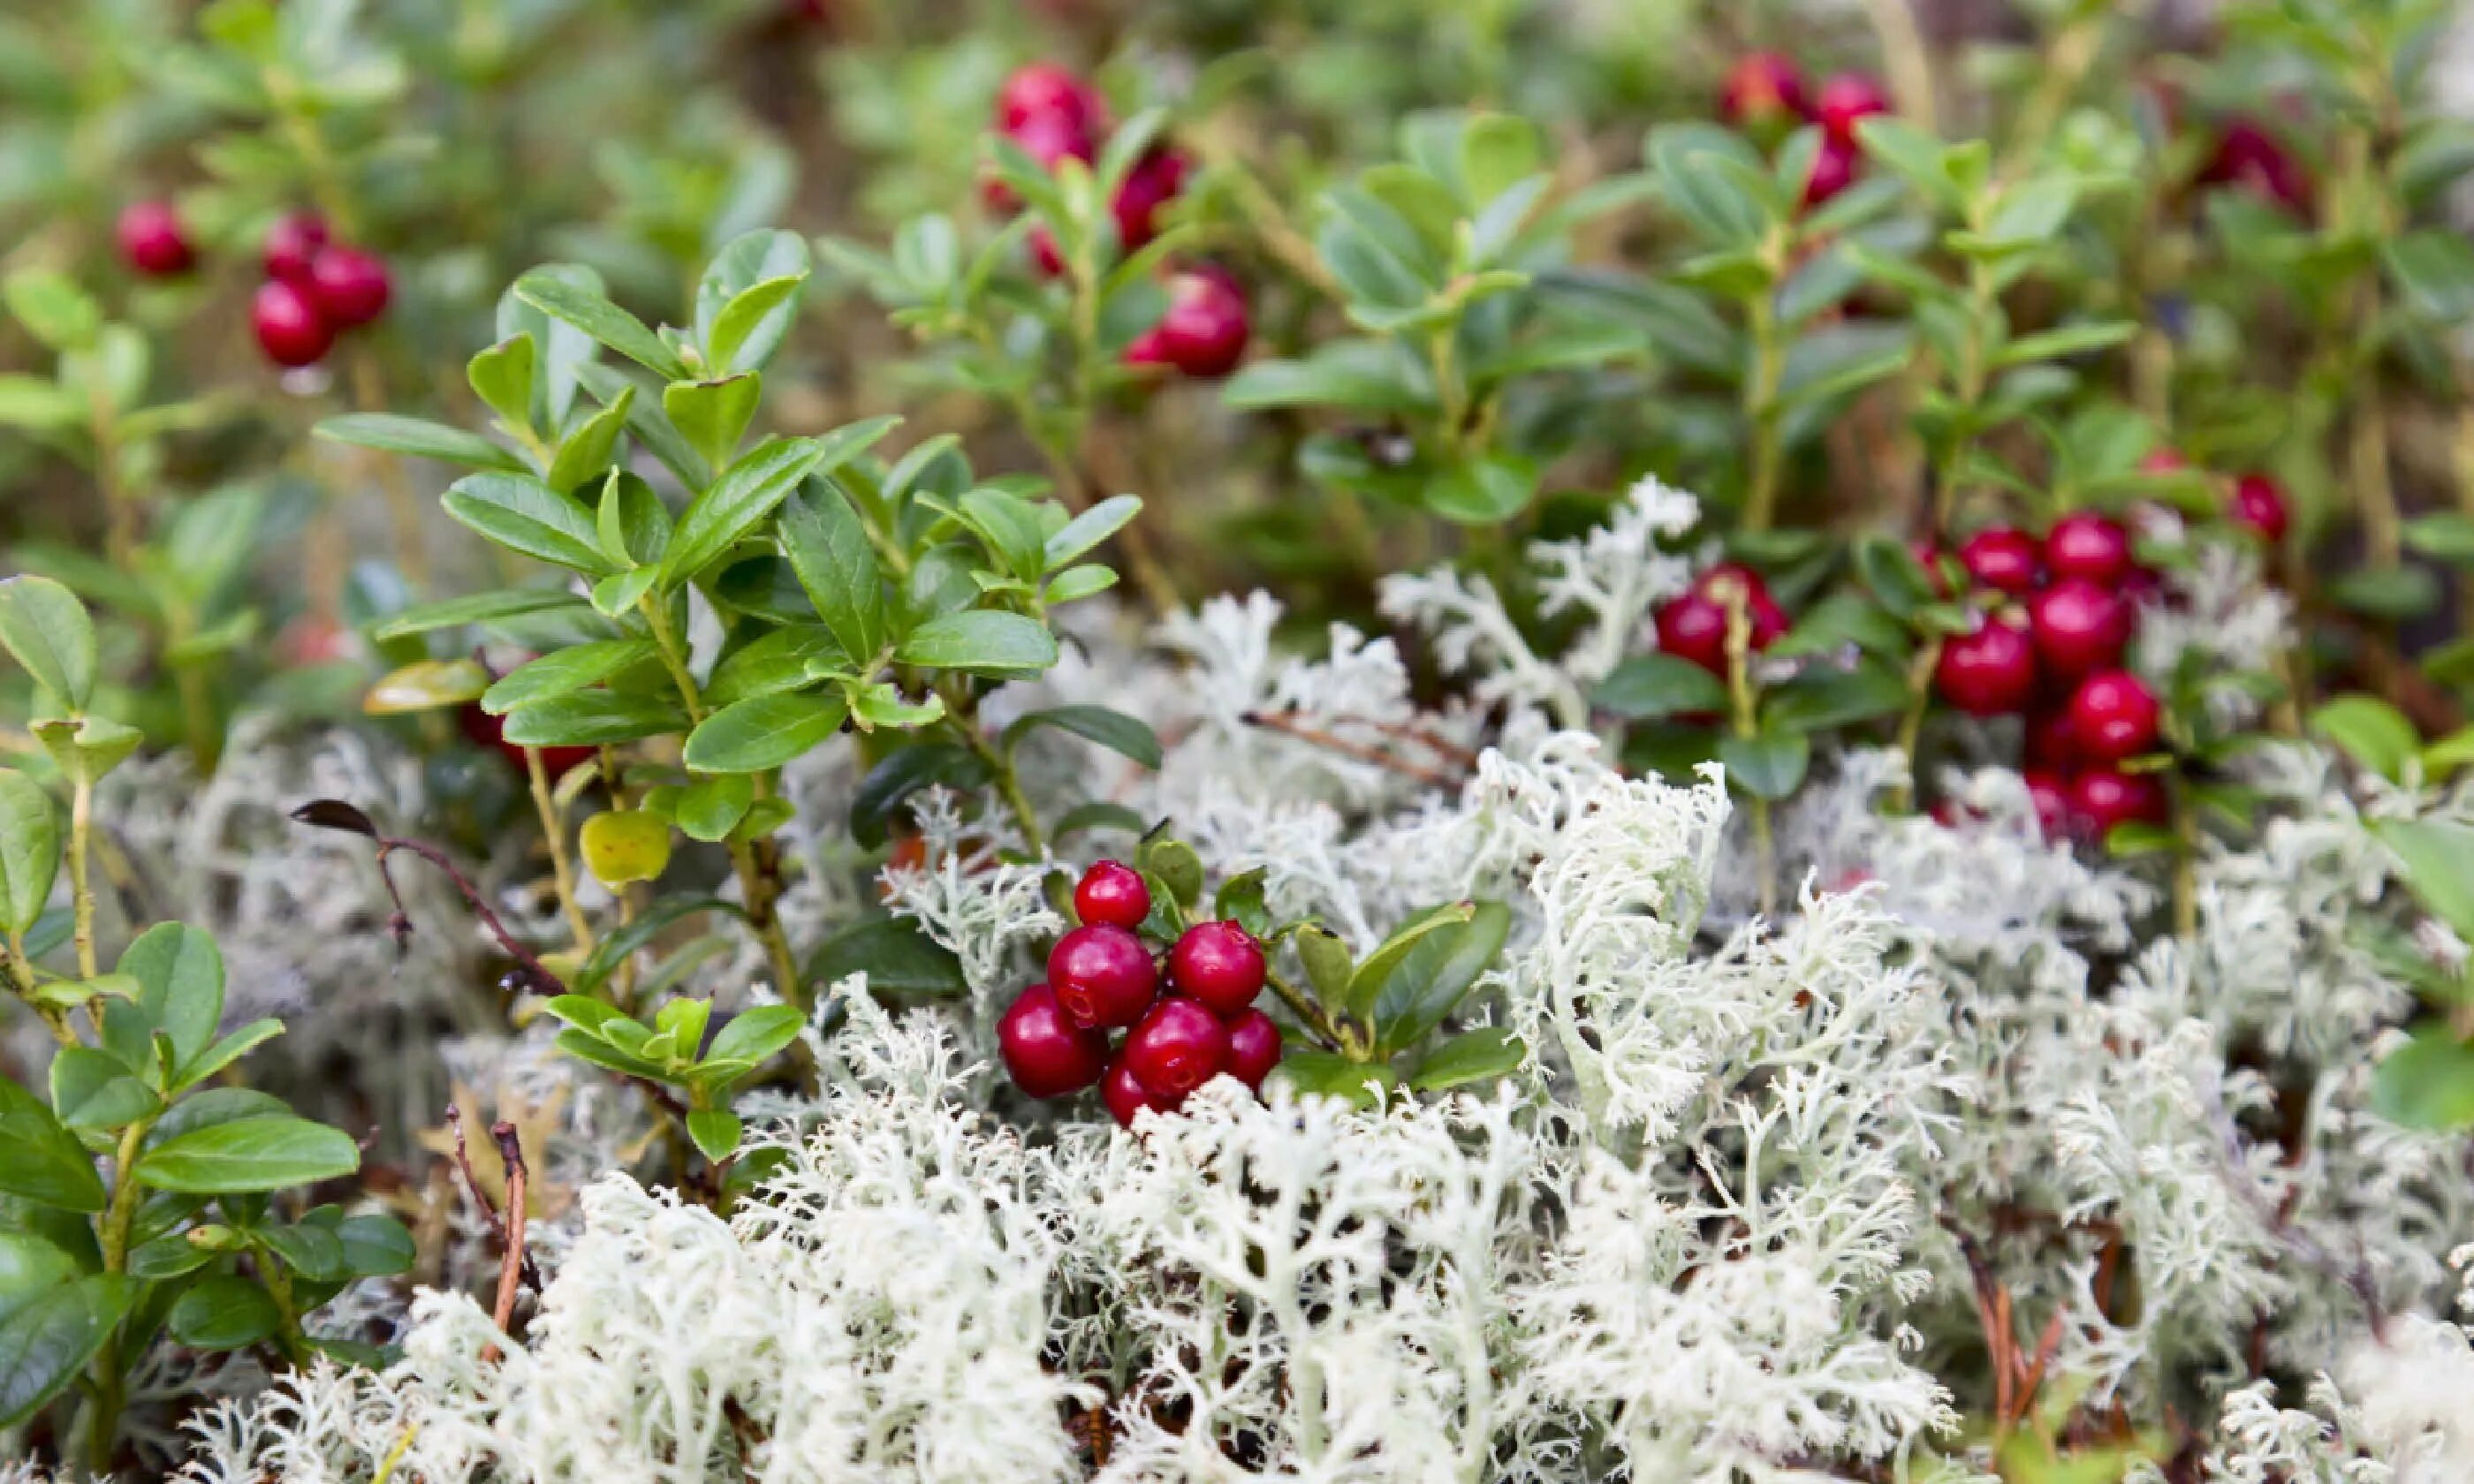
(1286, 724)
(543, 981)
(511, 1262)
(481, 1196)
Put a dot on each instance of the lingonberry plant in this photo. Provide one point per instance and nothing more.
(1821, 831)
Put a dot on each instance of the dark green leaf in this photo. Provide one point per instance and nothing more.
(1114, 730)
(716, 1131)
(593, 718)
(1486, 1055)
(2428, 1083)
(524, 515)
(45, 629)
(979, 641)
(904, 773)
(2373, 733)
(263, 1153)
(563, 297)
(563, 671)
(829, 549)
(1766, 766)
(1326, 1075)
(1648, 686)
(1422, 987)
(895, 955)
(43, 1162)
(223, 1312)
(424, 439)
(763, 732)
(30, 851)
(47, 1337)
(741, 496)
(180, 975)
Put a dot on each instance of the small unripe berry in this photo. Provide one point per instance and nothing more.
(1102, 977)
(1694, 626)
(350, 286)
(1204, 331)
(1045, 1054)
(1219, 964)
(2258, 501)
(1043, 90)
(152, 239)
(1126, 1095)
(2114, 716)
(2086, 544)
(2080, 628)
(291, 246)
(1113, 893)
(2102, 797)
(1989, 672)
(1846, 99)
(1176, 1049)
(1254, 1047)
(289, 328)
(2003, 559)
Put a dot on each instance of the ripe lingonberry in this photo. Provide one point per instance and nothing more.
(1254, 1047)
(2086, 544)
(2051, 798)
(1150, 184)
(1989, 672)
(1763, 93)
(483, 729)
(2102, 797)
(1047, 1054)
(291, 246)
(1694, 626)
(2249, 158)
(2113, 715)
(1219, 964)
(1126, 1095)
(1044, 89)
(2002, 558)
(2080, 627)
(2258, 501)
(289, 328)
(1835, 167)
(1177, 1047)
(1102, 975)
(1846, 99)
(1204, 331)
(350, 286)
(1114, 894)
(2050, 743)
(152, 241)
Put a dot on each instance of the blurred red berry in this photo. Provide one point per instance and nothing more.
(2113, 715)
(350, 286)
(1990, 672)
(483, 729)
(2050, 796)
(2251, 158)
(289, 328)
(1764, 93)
(1220, 965)
(1126, 1095)
(1046, 1054)
(1834, 168)
(1102, 977)
(1694, 626)
(1204, 331)
(1254, 1047)
(1046, 90)
(1846, 99)
(2080, 626)
(1114, 894)
(1177, 1047)
(2258, 501)
(2102, 797)
(2086, 544)
(291, 245)
(2049, 742)
(152, 240)
(2001, 557)
(1049, 141)
(1150, 184)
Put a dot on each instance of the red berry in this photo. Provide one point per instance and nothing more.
(2050, 743)
(2259, 502)
(1694, 626)
(1045, 1054)
(1152, 184)
(291, 245)
(1177, 1047)
(1846, 99)
(1254, 1047)
(350, 286)
(483, 729)
(2080, 627)
(1763, 90)
(2052, 800)
(1219, 964)
(1833, 169)
(2253, 159)
(1102, 975)
(1114, 894)
(2114, 716)
(2003, 559)
(2102, 797)
(152, 241)
(2086, 544)
(1204, 331)
(1987, 673)
(1043, 90)
(1126, 1095)
(1049, 140)
(289, 328)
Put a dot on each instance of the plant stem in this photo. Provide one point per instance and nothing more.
(80, 888)
(554, 831)
(1305, 1008)
(113, 1240)
(1911, 725)
(1761, 407)
(1009, 781)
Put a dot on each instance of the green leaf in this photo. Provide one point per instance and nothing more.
(179, 972)
(2066, 340)
(2438, 860)
(763, 732)
(979, 641)
(2394, 594)
(564, 299)
(1329, 965)
(375, 1246)
(710, 808)
(829, 553)
(2434, 267)
(713, 414)
(1648, 686)
(1114, 730)
(716, 1131)
(904, 773)
(593, 718)
(47, 1337)
(631, 522)
(1097, 814)
(1087, 530)
(747, 299)
(625, 942)
(262, 1153)
(895, 955)
(95, 1089)
(502, 378)
(43, 1162)
(2374, 734)
(308, 1249)
(564, 671)
(1357, 376)
(1483, 492)
(223, 1312)
(1326, 1075)
(1767, 766)
(2428, 1083)
(757, 1035)
(1420, 989)
(525, 515)
(30, 851)
(1367, 982)
(1825, 699)
(52, 307)
(228, 1050)
(2446, 534)
(1485, 1055)
(742, 495)
(480, 608)
(586, 452)
(45, 629)
(782, 659)
(393, 434)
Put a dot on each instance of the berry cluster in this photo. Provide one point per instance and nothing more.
(314, 290)
(1694, 626)
(1102, 978)
(1765, 96)
(1054, 116)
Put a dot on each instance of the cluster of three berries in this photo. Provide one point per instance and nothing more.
(314, 288)
(1102, 978)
